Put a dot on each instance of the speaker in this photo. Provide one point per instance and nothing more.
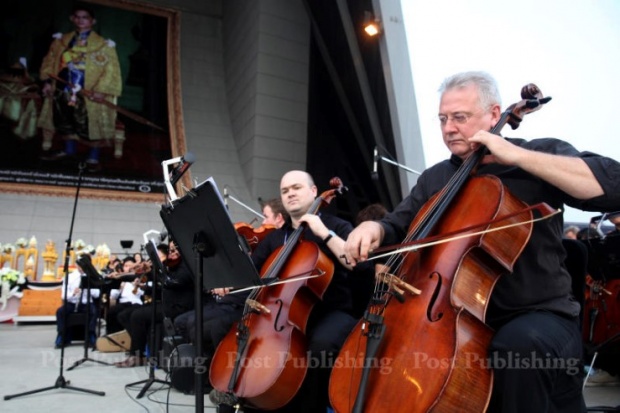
(169, 344)
(181, 368)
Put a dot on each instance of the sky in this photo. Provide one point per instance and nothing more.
(570, 50)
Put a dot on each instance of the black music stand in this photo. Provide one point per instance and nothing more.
(158, 272)
(200, 219)
(61, 382)
(92, 280)
(203, 231)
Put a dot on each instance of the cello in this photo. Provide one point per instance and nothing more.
(260, 360)
(426, 350)
(601, 322)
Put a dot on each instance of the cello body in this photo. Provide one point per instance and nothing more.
(433, 352)
(274, 363)
(263, 360)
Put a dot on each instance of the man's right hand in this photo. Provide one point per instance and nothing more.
(365, 238)
(220, 291)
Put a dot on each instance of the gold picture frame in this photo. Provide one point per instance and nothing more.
(149, 125)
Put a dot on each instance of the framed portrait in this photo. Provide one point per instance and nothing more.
(89, 91)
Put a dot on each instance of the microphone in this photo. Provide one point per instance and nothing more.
(226, 196)
(182, 167)
(375, 174)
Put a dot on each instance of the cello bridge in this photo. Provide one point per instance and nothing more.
(397, 284)
(258, 307)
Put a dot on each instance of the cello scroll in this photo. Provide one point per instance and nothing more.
(532, 100)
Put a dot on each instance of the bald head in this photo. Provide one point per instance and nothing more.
(297, 176)
(297, 190)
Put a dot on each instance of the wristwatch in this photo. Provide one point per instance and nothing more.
(329, 236)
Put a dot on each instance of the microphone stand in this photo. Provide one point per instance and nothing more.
(157, 275)
(258, 214)
(382, 158)
(61, 382)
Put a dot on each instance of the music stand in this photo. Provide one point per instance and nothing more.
(604, 253)
(200, 224)
(158, 271)
(92, 280)
(200, 219)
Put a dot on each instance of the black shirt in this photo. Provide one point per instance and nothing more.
(338, 294)
(539, 280)
(177, 291)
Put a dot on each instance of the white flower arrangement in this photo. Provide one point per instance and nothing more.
(12, 281)
(21, 242)
(7, 248)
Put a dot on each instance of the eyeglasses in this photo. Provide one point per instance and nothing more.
(459, 118)
(173, 250)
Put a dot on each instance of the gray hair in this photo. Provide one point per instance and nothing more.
(488, 94)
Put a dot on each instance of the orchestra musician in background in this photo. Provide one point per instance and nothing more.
(126, 298)
(176, 297)
(76, 302)
(614, 219)
(532, 310)
(274, 213)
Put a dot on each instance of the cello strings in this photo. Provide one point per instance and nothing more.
(396, 260)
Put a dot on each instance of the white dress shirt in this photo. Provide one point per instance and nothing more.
(74, 291)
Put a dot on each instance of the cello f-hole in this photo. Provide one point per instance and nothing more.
(429, 310)
(275, 323)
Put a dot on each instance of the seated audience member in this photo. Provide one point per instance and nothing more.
(76, 297)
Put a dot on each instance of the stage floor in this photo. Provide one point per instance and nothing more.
(28, 362)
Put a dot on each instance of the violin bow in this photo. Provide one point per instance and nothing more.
(545, 211)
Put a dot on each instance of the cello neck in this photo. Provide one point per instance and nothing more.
(291, 242)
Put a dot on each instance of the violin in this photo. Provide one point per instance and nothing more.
(137, 275)
(136, 270)
(253, 235)
(269, 341)
(418, 351)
